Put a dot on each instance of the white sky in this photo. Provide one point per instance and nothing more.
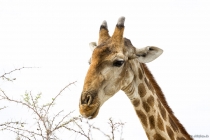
(54, 35)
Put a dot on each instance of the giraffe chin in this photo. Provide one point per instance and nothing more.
(90, 111)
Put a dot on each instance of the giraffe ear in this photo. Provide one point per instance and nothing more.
(148, 54)
(92, 45)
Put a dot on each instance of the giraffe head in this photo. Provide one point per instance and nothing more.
(110, 67)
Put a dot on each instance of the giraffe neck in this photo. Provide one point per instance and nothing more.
(151, 107)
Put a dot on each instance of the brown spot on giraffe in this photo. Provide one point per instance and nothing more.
(142, 90)
(158, 137)
(152, 122)
(142, 117)
(146, 107)
(140, 74)
(160, 123)
(136, 102)
(150, 100)
(170, 132)
(173, 125)
(162, 111)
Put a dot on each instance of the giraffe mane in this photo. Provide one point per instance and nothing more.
(162, 98)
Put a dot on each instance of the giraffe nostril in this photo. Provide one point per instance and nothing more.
(89, 99)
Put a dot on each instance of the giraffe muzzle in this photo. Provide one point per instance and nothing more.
(89, 105)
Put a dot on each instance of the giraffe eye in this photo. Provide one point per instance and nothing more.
(118, 63)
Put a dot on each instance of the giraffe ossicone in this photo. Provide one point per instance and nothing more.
(121, 21)
(116, 65)
(104, 24)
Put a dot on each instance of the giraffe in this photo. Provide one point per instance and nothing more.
(117, 65)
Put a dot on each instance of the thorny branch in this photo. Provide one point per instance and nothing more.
(80, 130)
(7, 73)
(114, 126)
(5, 125)
(3, 107)
(53, 99)
(47, 126)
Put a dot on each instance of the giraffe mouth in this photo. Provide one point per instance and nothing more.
(95, 113)
(89, 104)
(89, 111)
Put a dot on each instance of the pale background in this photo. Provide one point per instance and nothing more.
(54, 36)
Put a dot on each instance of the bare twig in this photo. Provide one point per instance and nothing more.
(112, 125)
(79, 132)
(3, 107)
(5, 125)
(98, 129)
(53, 100)
(11, 128)
(115, 126)
(61, 123)
(7, 73)
(40, 129)
(18, 134)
